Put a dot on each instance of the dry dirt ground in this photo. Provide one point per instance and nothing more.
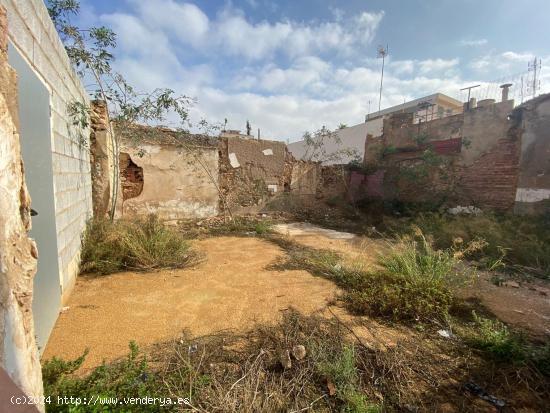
(525, 304)
(233, 289)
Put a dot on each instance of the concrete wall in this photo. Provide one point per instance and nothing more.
(177, 183)
(334, 149)
(533, 191)
(32, 33)
(18, 350)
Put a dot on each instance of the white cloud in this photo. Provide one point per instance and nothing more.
(437, 65)
(518, 57)
(232, 65)
(402, 67)
(232, 33)
(473, 42)
(184, 20)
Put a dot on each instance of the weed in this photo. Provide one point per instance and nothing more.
(142, 245)
(510, 240)
(226, 372)
(263, 227)
(240, 225)
(103, 387)
(231, 373)
(340, 370)
(494, 337)
(414, 280)
(505, 346)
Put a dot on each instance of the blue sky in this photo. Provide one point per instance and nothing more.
(292, 66)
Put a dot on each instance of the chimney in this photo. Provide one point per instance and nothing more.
(472, 104)
(505, 89)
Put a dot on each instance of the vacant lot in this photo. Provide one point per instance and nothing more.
(384, 326)
(231, 290)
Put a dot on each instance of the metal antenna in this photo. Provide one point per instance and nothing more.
(533, 67)
(469, 89)
(382, 52)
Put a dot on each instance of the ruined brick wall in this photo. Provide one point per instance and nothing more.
(491, 180)
(533, 192)
(334, 182)
(305, 177)
(252, 171)
(467, 159)
(18, 349)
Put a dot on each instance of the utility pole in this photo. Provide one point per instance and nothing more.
(382, 52)
(533, 67)
(469, 89)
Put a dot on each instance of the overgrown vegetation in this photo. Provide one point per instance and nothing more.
(412, 282)
(494, 337)
(230, 373)
(227, 372)
(506, 346)
(238, 225)
(521, 243)
(139, 245)
(103, 388)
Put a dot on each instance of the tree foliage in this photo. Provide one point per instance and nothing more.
(91, 50)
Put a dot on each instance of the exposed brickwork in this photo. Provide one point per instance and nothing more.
(131, 177)
(492, 180)
(466, 159)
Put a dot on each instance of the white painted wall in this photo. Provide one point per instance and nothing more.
(352, 138)
(33, 34)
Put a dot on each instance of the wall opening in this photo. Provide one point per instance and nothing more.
(131, 177)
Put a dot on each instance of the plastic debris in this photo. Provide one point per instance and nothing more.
(482, 394)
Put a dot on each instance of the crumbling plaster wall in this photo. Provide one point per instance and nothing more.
(478, 154)
(32, 32)
(175, 184)
(18, 349)
(305, 178)
(533, 191)
(102, 157)
(252, 172)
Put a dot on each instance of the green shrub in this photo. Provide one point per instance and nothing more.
(140, 245)
(340, 369)
(510, 240)
(239, 226)
(414, 280)
(263, 227)
(129, 378)
(494, 337)
(506, 347)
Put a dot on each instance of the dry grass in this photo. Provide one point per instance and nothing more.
(138, 245)
(518, 242)
(413, 281)
(243, 373)
(218, 226)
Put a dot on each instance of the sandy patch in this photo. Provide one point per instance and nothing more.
(231, 290)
